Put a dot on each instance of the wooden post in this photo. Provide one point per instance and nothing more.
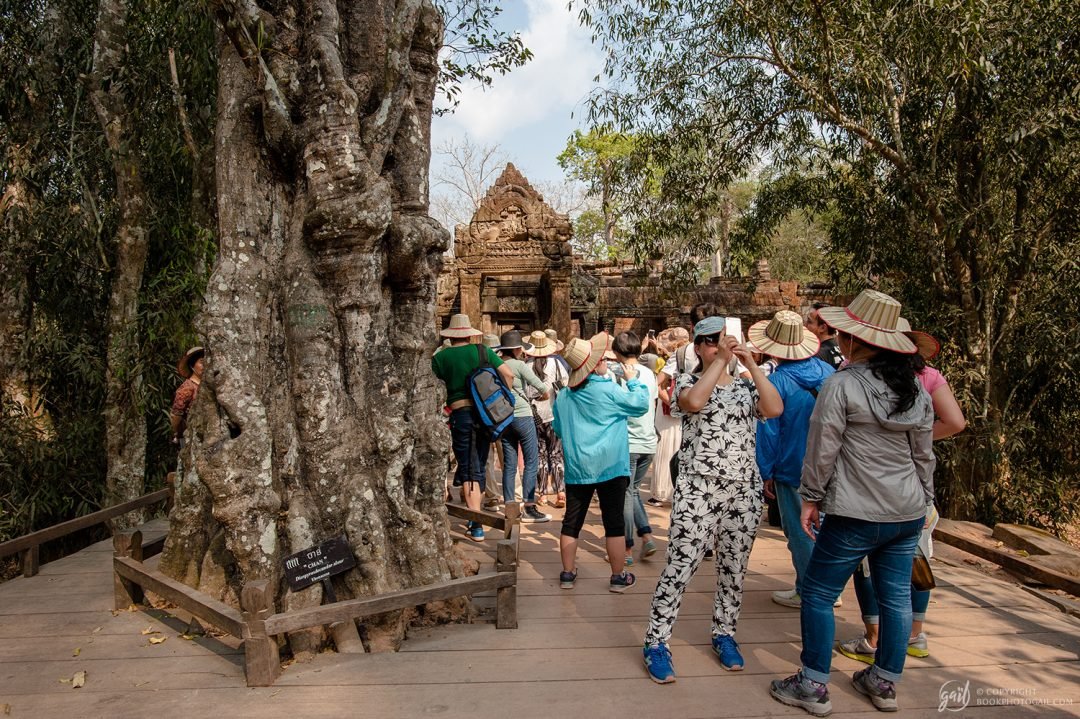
(262, 662)
(30, 559)
(506, 597)
(512, 512)
(125, 591)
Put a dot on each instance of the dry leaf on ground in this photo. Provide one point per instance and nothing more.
(78, 680)
(157, 640)
(150, 630)
(78, 650)
(96, 630)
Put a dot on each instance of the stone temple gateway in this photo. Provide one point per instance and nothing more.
(513, 267)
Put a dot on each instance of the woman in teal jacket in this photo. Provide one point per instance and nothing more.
(590, 419)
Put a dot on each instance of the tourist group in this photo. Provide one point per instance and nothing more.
(832, 416)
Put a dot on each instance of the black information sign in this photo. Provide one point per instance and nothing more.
(315, 564)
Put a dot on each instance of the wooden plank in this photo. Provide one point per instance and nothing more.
(207, 608)
(357, 608)
(88, 520)
(126, 545)
(957, 537)
(30, 560)
(488, 519)
(153, 547)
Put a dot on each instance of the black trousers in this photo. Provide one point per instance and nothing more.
(612, 494)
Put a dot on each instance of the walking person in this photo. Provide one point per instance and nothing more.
(949, 420)
(471, 443)
(545, 363)
(781, 442)
(870, 468)
(717, 493)
(668, 428)
(642, 432)
(522, 431)
(590, 419)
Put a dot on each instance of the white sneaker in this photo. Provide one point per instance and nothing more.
(791, 598)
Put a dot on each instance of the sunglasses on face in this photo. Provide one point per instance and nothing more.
(711, 340)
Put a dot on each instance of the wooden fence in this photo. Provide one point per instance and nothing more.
(28, 546)
(258, 627)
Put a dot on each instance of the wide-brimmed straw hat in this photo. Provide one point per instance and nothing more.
(511, 341)
(871, 317)
(491, 341)
(554, 337)
(584, 355)
(542, 345)
(783, 337)
(673, 338)
(927, 344)
(460, 328)
(186, 364)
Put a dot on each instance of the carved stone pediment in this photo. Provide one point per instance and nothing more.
(514, 229)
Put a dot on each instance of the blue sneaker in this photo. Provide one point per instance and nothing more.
(566, 579)
(621, 582)
(658, 663)
(728, 651)
(475, 531)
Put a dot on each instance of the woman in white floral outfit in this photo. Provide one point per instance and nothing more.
(717, 494)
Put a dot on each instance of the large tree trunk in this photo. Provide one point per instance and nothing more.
(125, 420)
(318, 414)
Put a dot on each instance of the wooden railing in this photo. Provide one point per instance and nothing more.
(28, 546)
(258, 626)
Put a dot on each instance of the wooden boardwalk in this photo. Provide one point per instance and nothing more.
(576, 654)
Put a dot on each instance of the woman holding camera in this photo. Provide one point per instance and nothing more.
(717, 493)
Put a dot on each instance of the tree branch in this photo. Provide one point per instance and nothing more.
(178, 97)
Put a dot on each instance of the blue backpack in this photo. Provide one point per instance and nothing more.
(491, 398)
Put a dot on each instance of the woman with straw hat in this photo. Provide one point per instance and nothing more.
(781, 442)
(522, 431)
(590, 419)
(870, 468)
(717, 492)
(453, 366)
(949, 420)
(543, 361)
(190, 367)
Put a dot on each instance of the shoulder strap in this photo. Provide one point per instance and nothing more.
(481, 353)
(680, 359)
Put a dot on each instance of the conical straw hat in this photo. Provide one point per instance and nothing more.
(583, 356)
(873, 318)
(783, 337)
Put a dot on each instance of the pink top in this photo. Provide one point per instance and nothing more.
(932, 380)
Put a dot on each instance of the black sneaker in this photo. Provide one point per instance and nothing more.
(532, 515)
(709, 554)
(654, 502)
(621, 582)
(566, 579)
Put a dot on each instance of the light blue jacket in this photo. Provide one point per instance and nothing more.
(591, 421)
(781, 441)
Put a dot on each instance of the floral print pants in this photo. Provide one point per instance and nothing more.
(707, 510)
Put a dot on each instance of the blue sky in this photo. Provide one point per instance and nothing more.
(530, 112)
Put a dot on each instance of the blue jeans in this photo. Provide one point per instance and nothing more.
(470, 448)
(633, 510)
(800, 545)
(868, 605)
(840, 546)
(521, 432)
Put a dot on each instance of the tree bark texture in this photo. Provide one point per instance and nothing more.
(125, 421)
(318, 414)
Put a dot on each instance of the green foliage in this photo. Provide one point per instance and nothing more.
(474, 49)
(936, 142)
(56, 246)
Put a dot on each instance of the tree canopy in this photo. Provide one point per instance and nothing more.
(941, 140)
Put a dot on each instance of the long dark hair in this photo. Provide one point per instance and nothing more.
(897, 371)
(539, 366)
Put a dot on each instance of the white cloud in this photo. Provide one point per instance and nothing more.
(553, 83)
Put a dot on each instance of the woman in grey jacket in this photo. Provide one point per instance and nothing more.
(869, 468)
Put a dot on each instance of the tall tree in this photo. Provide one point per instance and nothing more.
(467, 171)
(946, 135)
(318, 414)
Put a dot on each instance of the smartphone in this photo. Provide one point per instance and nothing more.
(733, 328)
(651, 333)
